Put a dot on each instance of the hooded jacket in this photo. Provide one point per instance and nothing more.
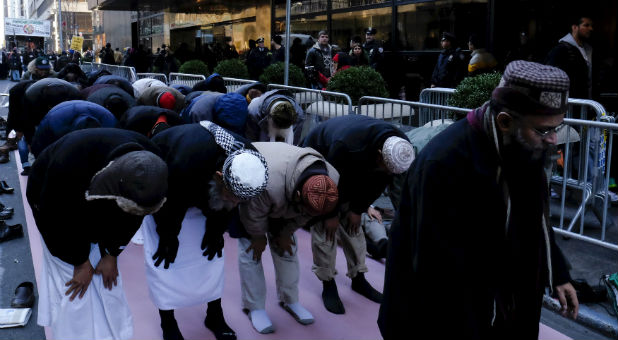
(320, 59)
(113, 98)
(286, 163)
(60, 178)
(143, 118)
(150, 95)
(31, 73)
(118, 81)
(498, 260)
(201, 107)
(259, 110)
(576, 61)
(66, 117)
(351, 143)
(481, 62)
(192, 157)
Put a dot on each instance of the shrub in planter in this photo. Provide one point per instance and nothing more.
(357, 82)
(233, 68)
(273, 74)
(472, 92)
(194, 67)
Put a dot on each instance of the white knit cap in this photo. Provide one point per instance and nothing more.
(398, 154)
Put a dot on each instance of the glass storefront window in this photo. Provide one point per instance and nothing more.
(300, 7)
(337, 4)
(303, 26)
(349, 24)
(420, 25)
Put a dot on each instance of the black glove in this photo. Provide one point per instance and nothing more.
(212, 245)
(168, 248)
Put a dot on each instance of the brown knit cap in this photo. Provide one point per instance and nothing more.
(320, 195)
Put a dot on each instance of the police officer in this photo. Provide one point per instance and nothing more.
(373, 48)
(451, 66)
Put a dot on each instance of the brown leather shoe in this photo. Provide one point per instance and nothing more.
(10, 145)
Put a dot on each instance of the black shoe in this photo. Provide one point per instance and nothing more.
(26, 171)
(5, 188)
(169, 325)
(24, 296)
(6, 213)
(4, 157)
(362, 287)
(10, 232)
(330, 297)
(216, 322)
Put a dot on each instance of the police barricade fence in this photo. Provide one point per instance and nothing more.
(437, 96)
(86, 67)
(126, 72)
(323, 104)
(158, 76)
(233, 84)
(586, 176)
(185, 79)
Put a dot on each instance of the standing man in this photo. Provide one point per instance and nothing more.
(320, 57)
(573, 55)
(302, 186)
(496, 251)
(15, 65)
(451, 66)
(210, 172)
(259, 58)
(373, 48)
(278, 49)
(366, 152)
(111, 179)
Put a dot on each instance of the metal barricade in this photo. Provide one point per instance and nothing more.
(435, 96)
(5, 99)
(323, 104)
(158, 76)
(589, 187)
(185, 79)
(127, 72)
(86, 67)
(233, 84)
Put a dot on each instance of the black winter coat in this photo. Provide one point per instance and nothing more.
(569, 59)
(192, 158)
(143, 118)
(450, 68)
(351, 143)
(452, 257)
(58, 182)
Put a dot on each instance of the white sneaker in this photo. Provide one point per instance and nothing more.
(300, 313)
(260, 321)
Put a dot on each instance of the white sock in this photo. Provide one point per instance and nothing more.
(261, 322)
(300, 313)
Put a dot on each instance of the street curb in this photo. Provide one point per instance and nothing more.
(603, 324)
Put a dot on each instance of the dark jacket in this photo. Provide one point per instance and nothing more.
(107, 56)
(143, 118)
(569, 59)
(60, 178)
(15, 62)
(257, 61)
(192, 157)
(17, 117)
(316, 58)
(449, 251)
(113, 98)
(375, 53)
(121, 82)
(450, 68)
(66, 117)
(351, 143)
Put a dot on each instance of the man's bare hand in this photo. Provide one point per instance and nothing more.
(285, 243)
(353, 223)
(374, 213)
(330, 227)
(108, 268)
(82, 275)
(258, 244)
(568, 300)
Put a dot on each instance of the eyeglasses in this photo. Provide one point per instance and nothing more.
(543, 132)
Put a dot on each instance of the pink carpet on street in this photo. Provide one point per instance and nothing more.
(359, 321)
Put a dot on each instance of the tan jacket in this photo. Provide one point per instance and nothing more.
(285, 165)
(150, 95)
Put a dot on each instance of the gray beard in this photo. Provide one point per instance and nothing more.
(215, 197)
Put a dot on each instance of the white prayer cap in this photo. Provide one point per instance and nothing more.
(398, 154)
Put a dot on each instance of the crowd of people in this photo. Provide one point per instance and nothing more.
(174, 167)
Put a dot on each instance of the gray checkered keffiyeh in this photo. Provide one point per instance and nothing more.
(241, 187)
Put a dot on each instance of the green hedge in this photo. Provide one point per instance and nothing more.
(274, 73)
(357, 82)
(232, 68)
(194, 67)
(473, 92)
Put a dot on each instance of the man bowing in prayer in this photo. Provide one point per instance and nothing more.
(89, 192)
(211, 170)
(366, 152)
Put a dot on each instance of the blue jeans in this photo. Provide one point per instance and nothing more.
(22, 146)
(15, 75)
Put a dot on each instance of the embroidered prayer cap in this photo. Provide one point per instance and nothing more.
(530, 88)
(137, 181)
(245, 171)
(398, 154)
(320, 195)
